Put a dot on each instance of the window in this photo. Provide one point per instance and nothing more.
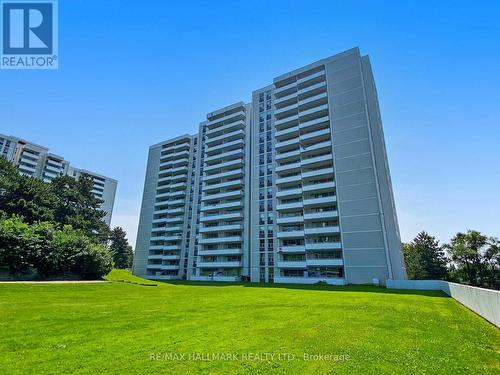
(269, 205)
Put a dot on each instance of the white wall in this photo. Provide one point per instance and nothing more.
(484, 302)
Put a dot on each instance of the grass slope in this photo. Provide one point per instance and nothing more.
(114, 328)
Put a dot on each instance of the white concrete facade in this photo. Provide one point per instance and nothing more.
(36, 161)
(292, 187)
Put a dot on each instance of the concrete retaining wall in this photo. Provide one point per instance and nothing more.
(484, 302)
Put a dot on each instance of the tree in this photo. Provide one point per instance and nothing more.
(17, 246)
(79, 207)
(119, 246)
(491, 261)
(24, 196)
(424, 258)
(466, 252)
(51, 251)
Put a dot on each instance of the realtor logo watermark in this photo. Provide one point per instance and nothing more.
(29, 32)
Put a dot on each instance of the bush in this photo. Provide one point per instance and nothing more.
(93, 262)
(51, 251)
(17, 246)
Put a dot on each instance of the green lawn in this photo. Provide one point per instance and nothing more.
(116, 327)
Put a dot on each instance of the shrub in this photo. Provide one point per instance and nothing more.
(94, 261)
(51, 251)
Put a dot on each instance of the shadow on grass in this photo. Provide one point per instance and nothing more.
(324, 288)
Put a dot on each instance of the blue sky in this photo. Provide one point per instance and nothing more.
(132, 74)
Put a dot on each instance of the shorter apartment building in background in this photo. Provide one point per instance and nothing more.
(292, 187)
(36, 161)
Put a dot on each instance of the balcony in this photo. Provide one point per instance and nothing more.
(224, 155)
(217, 176)
(290, 234)
(156, 247)
(287, 99)
(172, 247)
(232, 145)
(166, 238)
(164, 257)
(170, 267)
(315, 122)
(323, 246)
(226, 216)
(322, 172)
(292, 108)
(288, 155)
(311, 77)
(285, 90)
(52, 168)
(220, 206)
(158, 230)
(320, 201)
(297, 249)
(214, 124)
(175, 202)
(223, 195)
(287, 143)
(230, 136)
(313, 101)
(220, 252)
(324, 186)
(174, 155)
(222, 264)
(216, 278)
(322, 230)
(177, 228)
(172, 163)
(238, 124)
(221, 185)
(290, 219)
(289, 193)
(289, 206)
(316, 87)
(321, 215)
(290, 167)
(224, 164)
(220, 228)
(293, 131)
(179, 185)
(291, 120)
(309, 280)
(321, 146)
(209, 241)
(292, 264)
(288, 179)
(176, 147)
(324, 262)
(178, 169)
(322, 134)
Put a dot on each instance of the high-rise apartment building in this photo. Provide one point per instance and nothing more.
(293, 187)
(36, 161)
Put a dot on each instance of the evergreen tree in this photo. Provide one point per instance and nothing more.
(425, 259)
(119, 246)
